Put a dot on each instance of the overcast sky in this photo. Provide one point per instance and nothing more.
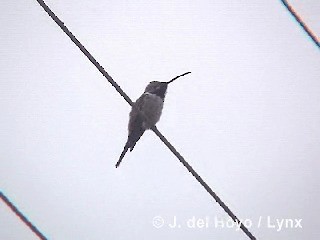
(247, 118)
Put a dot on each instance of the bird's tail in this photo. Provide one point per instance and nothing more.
(125, 149)
(132, 140)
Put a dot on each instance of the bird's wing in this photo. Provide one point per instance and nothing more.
(135, 127)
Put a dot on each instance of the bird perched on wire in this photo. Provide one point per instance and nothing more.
(145, 112)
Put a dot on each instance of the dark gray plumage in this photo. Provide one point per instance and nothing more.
(145, 113)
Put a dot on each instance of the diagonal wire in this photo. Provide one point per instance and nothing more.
(22, 217)
(314, 38)
(157, 132)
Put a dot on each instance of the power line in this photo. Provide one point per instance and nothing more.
(157, 132)
(23, 218)
(203, 183)
(313, 37)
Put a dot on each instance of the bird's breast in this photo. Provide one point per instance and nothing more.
(152, 109)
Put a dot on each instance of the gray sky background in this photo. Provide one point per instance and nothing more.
(247, 118)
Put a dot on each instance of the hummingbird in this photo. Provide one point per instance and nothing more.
(145, 112)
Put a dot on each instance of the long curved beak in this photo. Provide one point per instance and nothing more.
(175, 78)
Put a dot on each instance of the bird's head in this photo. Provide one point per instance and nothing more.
(160, 88)
(157, 88)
